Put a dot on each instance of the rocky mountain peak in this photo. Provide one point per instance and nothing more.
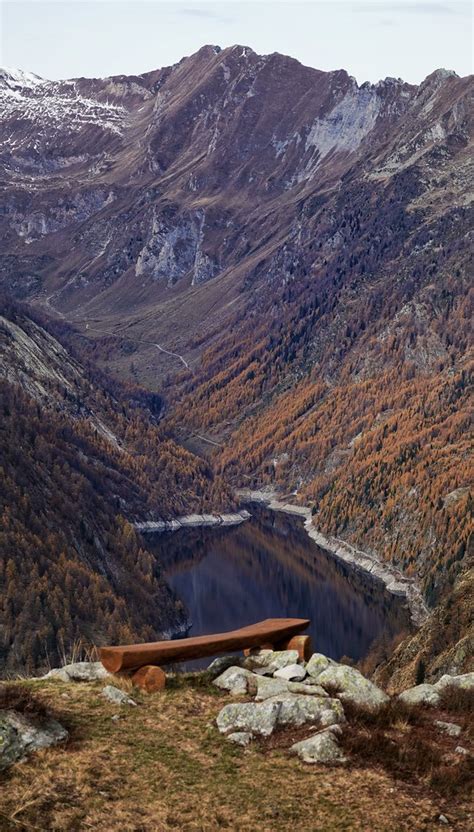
(14, 78)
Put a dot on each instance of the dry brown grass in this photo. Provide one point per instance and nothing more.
(163, 766)
(16, 696)
(458, 701)
(404, 741)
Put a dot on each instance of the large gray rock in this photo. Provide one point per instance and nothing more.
(217, 666)
(234, 679)
(350, 686)
(11, 747)
(269, 687)
(291, 672)
(420, 695)
(117, 696)
(449, 728)
(317, 663)
(269, 661)
(79, 672)
(320, 748)
(298, 709)
(252, 717)
(21, 734)
(308, 689)
(463, 682)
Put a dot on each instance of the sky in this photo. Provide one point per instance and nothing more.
(371, 39)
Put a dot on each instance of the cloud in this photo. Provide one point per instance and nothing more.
(204, 13)
(428, 8)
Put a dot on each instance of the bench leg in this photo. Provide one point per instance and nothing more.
(149, 678)
(302, 644)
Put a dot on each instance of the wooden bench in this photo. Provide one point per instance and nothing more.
(143, 660)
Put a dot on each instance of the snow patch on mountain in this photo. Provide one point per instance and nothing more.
(50, 104)
(19, 78)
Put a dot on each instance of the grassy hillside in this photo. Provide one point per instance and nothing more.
(163, 766)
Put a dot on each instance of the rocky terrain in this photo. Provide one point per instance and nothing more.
(265, 741)
(285, 255)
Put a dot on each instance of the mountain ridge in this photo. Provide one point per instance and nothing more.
(303, 245)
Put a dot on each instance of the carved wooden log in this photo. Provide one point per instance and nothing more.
(133, 656)
(149, 678)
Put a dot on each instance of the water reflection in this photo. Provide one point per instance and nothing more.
(268, 567)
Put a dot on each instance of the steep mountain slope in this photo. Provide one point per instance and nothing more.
(213, 178)
(78, 462)
(289, 255)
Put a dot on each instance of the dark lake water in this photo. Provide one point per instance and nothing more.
(268, 567)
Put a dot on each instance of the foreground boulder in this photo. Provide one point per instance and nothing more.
(234, 679)
(268, 661)
(298, 709)
(291, 672)
(253, 717)
(310, 689)
(350, 686)
(217, 666)
(269, 687)
(317, 663)
(320, 748)
(79, 672)
(431, 694)
(463, 682)
(21, 734)
(421, 695)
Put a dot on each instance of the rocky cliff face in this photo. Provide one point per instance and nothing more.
(218, 167)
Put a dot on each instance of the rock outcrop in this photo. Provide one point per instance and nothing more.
(255, 718)
(79, 672)
(316, 699)
(234, 679)
(420, 695)
(117, 696)
(351, 686)
(320, 748)
(21, 734)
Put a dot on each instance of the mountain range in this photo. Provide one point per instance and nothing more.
(286, 257)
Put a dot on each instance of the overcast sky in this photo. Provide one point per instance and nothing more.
(369, 38)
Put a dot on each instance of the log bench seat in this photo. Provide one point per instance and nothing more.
(143, 660)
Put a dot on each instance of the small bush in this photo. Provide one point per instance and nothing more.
(406, 757)
(458, 701)
(452, 779)
(386, 717)
(402, 740)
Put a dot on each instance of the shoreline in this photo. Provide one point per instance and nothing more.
(191, 521)
(394, 581)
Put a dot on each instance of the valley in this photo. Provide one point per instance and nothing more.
(238, 272)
